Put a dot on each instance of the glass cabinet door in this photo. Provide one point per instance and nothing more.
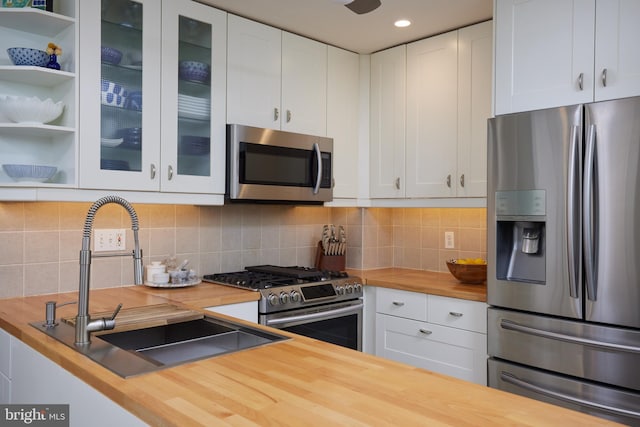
(120, 94)
(194, 100)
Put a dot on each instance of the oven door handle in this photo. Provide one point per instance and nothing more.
(315, 316)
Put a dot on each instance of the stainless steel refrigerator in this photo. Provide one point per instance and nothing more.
(563, 236)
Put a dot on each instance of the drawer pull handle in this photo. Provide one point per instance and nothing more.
(398, 303)
(455, 314)
(425, 331)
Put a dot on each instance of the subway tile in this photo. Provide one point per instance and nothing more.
(11, 248)
(42, 278)
(12, 216)
(41, 246)
(187, 216)
(41, 216)
(11, 281)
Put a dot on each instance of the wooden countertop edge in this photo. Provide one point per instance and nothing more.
(422, 281)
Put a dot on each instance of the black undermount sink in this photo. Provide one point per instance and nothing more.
(139, 351)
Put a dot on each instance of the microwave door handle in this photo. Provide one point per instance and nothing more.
(316, 148)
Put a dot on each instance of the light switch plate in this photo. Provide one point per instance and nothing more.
(107, 239)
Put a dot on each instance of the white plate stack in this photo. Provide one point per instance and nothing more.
(193, 107)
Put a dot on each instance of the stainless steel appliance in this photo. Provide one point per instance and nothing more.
(326, 305)
(564, 251)
(277, 166)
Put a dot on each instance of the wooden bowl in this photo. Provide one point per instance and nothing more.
(468, 273)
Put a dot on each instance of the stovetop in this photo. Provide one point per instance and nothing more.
(270, 276)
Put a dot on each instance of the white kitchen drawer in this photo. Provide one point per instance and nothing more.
(5, 353)
(407, 304)
(458, 313)
(450, 351)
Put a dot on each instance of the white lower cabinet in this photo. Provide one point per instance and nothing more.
(441, 334)
(37, 380)
(243, 310)
(5, 368)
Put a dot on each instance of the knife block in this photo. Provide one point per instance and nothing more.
(329, 262)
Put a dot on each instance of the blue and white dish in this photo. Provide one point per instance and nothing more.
(113, 94)
(194, 71)
(118, 165)
(110, 55)
(28, 56)
(33, 173)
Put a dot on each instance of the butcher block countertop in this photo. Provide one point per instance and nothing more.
(427, 282)
(292, 383)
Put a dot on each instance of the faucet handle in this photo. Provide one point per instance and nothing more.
(50, 312)
(116, 311)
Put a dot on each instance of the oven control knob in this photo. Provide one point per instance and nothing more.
(294, 296)
(357, 287)
(349, 289)
(340, 290)
(284, 298)
(273, 300)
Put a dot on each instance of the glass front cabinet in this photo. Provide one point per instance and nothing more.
(152, 104)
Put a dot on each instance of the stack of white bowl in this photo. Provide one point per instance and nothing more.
(193, 107)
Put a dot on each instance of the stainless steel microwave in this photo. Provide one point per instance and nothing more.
(268, 165)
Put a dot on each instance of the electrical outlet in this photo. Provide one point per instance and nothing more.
(448, 240)
(109, 239)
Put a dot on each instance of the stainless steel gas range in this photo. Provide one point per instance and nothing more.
(326, 305)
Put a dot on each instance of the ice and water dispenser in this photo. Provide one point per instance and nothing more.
(520, 235)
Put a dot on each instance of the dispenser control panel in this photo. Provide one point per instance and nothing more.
(523, 202)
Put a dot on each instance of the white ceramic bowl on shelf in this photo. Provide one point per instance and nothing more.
(22, 109)
(34, 173)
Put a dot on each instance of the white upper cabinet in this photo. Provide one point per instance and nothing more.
(432, 112)
(617, 63)
(276, 80)
(434, 144)
(304, 85)
(387, 122)
(165, 62)
(253, 73)
(342, 119)
(561, 52)
(475, 64)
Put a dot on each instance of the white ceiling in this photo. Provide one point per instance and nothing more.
(332, 23)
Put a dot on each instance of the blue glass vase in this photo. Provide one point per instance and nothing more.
(53, 62)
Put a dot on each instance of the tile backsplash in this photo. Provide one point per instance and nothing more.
(40, 241)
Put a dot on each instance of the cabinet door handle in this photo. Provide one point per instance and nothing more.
(397, 183)
(170, 172)
(449, 180)
(580, 80)
(425, 331)
(455, 314)
(398, 303)
(153, 171)
(288, 116)
(462, 180)
(604, 77)
(276, 114)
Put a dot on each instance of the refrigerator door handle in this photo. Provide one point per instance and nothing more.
(512, 379)
(573, 214)
(513, 326)
(588, 214)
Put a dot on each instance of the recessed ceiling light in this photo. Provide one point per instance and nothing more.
(401, 23)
